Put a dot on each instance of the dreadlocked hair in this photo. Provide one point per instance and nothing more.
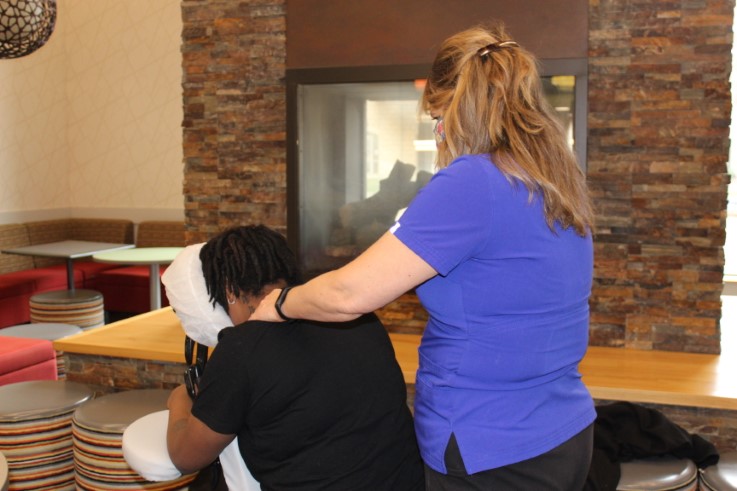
(243, 260)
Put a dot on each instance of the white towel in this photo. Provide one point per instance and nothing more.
(187, 293)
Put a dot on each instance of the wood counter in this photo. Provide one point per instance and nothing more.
(155, 335)
(681, 379)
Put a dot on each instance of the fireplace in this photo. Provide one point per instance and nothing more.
(359, 149)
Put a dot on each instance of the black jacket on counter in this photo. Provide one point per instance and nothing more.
(624, 431)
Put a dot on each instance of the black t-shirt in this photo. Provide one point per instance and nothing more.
(315, 406)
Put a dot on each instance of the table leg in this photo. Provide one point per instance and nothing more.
(154, 285)
(70, 275)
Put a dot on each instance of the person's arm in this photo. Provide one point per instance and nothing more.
(379, 275)
(191, 443)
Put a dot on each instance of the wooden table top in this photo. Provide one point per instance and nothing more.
(683, 379)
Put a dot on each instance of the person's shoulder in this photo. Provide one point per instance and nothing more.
(365, 328)
(471, 172)
(254, 332)
(472, 167)
(366, 321)
(241, 336)
(233, 332)
(369, 320)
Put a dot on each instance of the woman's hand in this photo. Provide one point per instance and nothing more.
(266, 310)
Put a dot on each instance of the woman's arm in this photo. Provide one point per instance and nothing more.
(379, 275)
(191, 443)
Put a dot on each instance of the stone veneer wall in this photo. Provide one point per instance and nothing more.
(105, 374)
(233, 60)
(658, 141)
(659, 115)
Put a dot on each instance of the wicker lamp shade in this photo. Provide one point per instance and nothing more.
(25, 26)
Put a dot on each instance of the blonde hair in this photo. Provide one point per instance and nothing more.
(489, 91)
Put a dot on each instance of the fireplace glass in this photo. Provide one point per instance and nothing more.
(359, 152)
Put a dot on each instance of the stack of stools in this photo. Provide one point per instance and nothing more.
(659, 474)
(47, 331)
(97, 431)
(36, 432)
(83, 308)
(722, 476)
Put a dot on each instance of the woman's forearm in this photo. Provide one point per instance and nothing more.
(180, 410)
(191, 444)
(381, 274)
(324, 298)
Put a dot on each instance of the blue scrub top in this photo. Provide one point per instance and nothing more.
(508, 319)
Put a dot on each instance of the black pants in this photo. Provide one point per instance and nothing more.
(563, 468)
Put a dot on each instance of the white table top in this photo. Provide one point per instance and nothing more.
(139, 255)
(69, 249)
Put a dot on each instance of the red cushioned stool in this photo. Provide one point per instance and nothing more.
(23, 359)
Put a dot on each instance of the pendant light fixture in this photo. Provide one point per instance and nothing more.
(25, 26)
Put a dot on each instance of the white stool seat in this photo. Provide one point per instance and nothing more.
(723, 476)
(144, 447)
(658, 474)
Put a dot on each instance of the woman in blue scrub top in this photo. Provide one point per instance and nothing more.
(498, 246)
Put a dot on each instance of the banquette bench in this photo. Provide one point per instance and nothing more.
(24, 276)
(124, 288)
(23, 359)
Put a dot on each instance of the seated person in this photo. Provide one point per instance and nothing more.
(312, 407)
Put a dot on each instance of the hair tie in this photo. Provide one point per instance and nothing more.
(482, 52)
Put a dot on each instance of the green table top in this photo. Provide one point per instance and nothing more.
(139, 255)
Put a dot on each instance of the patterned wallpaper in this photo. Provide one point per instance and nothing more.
(90, 124)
